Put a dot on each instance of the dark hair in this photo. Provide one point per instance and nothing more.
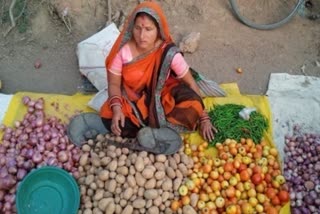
(140, 14)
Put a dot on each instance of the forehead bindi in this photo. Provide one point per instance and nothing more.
(144, 21)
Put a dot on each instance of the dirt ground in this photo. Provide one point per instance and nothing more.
(225, 44)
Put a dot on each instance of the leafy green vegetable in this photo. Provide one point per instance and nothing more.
(230, 125)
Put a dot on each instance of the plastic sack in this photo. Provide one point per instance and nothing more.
(97, 101)
(92, 53)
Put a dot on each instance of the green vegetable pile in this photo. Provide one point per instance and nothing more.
(230, 125)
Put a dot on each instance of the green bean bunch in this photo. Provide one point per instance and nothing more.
(230, 125)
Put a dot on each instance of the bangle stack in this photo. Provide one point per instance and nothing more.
(204, 117)
(115, 100)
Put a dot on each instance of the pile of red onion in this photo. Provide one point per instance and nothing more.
(302, 171)
(31, 143)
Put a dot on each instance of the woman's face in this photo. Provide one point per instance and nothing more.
(145, 32)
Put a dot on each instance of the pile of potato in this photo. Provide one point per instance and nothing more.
(118, 180)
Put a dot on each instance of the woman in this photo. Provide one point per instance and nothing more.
(149, 82)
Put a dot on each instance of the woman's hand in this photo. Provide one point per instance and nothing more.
(207, 130)
(117, 120)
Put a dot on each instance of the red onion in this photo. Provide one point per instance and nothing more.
(39, 105)
(26, 100)
(21, 174)
(7, 182)
(37, 157)
(63, 156)
(28, 165)
(2, 193)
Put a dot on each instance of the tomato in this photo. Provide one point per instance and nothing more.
(272, 210)
(175, 205)
(271, 193)
(256, 179)
(283, 196)
(244, 175)
(275, 200)
(228, 167)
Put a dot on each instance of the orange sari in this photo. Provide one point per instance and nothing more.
(149, 96)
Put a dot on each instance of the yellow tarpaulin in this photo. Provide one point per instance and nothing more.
(64, 107)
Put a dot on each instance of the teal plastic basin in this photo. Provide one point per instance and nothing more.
(48, 190)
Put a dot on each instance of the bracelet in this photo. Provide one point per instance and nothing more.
(114, 97)
(115, 100)
(115, 104)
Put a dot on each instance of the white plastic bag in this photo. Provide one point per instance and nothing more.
(98, 100)
(92, 53)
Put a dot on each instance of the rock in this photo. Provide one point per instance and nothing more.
(190, 43)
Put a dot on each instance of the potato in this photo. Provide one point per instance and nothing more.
(150, 184)
(184, 159)
(131, 181)
(194, 197)
(176, 183)
(96, 211)
(111, 208)
(112, 184)
(103, 203)
(84, 159)
(168, 211)
(120, 179)
(88, 204)
(121, 163)
(86, 148)
(177, 158)
(149, 204)
(132, 170)
(159, 166)
(150, 194)
(141, 191)
(157, 201)
(95, 160)
(153, 210)
(118, 152)
(89, 179)
(103, 175)
(143, 154)
(179, 174)
(165, 196)
(112, 175)
(128, 209)
(139, 203)
(188, 210)
(161, 158)
(139, 165)
(118, 209)
(170, 172)
(87, 211)
(125, 151)
(98, 195)
(148, 172)
(167, 185)
(105, 161)
(123, 170)
(159, 175)
(93, 186)
(140, 179)
(112, 166)
(182, 167)
(123, 202)
(100, 184)
(172, 163)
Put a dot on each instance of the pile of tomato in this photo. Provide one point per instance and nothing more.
(242, 177)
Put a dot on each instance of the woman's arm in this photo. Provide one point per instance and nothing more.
(206, 128)
(189, 80)
(114, 89)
